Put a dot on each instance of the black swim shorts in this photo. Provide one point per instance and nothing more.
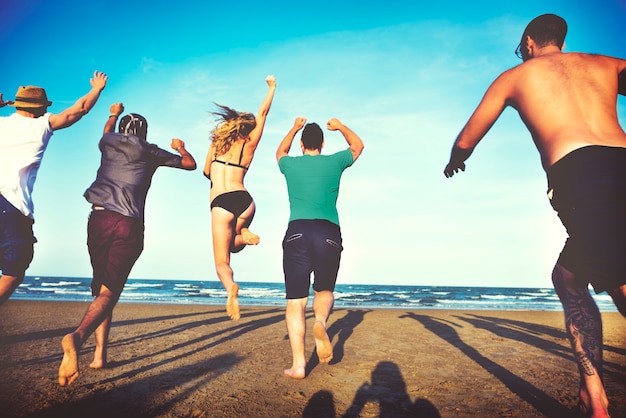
(588, 190)
(311, 246)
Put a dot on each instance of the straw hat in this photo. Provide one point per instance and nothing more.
(30, 97)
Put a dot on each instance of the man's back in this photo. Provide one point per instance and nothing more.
(23, 141)
(125, 173)
(228, 173)
(567, 101)
(313, 184)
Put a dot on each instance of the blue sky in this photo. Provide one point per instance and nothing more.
(403, 75)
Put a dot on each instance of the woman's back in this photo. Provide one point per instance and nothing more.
(228, 170)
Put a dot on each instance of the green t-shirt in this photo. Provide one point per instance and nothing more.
(313, 184)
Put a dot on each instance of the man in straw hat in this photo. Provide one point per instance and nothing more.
(24, 137)
(568, 103)
(115, 231)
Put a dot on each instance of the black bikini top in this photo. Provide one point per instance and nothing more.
(215, 160)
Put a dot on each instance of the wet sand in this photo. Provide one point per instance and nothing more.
(193, 361)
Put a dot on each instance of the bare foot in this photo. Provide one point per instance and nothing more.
(323, 347)
(590, 407)
(232, 303)
(248, 237)
(295, 373)
(98, 364)
(68, 371)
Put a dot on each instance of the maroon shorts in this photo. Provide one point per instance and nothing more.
(115, 242)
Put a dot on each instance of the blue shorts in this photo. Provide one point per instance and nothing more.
(16, 240)
(115, 242)
(311, 246)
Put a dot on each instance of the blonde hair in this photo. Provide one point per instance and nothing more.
(232, 126)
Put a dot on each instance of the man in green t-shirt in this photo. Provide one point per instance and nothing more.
(312, 243)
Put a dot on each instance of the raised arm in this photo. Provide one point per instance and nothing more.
(285, 144)
(116, 110)
(255, 135)
(353, 140)
(188, 162)
(3, 102)
(82, 106)
(488, 111)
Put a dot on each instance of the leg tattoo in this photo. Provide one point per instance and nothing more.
(583, 324)
(584, 329)
(585, 364)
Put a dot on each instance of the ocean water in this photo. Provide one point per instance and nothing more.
(273, 294)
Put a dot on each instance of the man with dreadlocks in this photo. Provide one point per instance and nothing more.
(115, 231)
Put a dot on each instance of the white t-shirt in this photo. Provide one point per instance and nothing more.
(23, 141)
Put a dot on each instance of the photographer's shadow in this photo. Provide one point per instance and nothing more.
(388, 390)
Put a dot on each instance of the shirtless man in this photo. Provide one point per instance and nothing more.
(568, 103)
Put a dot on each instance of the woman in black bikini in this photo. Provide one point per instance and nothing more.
(233, 142)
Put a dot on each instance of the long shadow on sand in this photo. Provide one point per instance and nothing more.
(162, 389)
(525, 390)
(223, 336)
(343, 328)
(60, 332)
(530, 334)
(138, 398)
(145, 338)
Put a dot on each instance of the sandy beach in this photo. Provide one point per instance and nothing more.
(192, 361)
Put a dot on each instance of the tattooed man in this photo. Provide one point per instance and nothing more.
(568, 103)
